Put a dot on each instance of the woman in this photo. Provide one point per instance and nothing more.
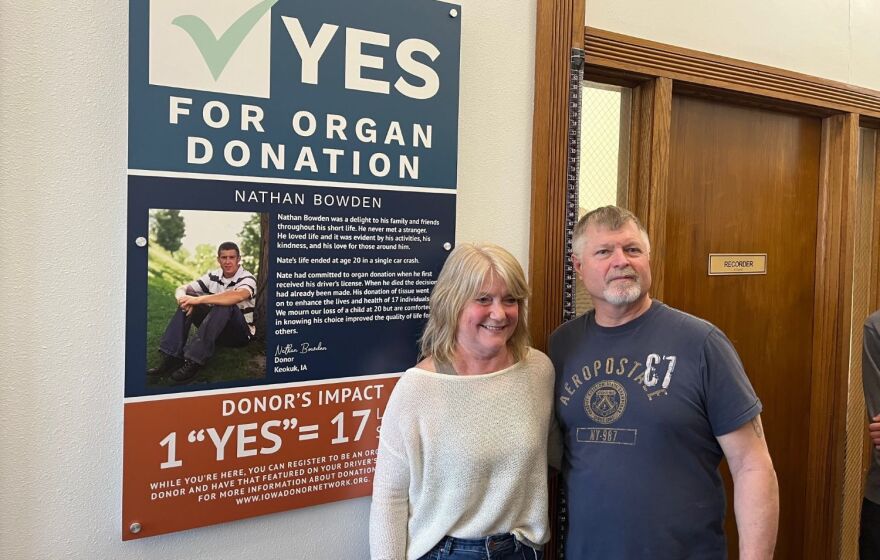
(461, 470)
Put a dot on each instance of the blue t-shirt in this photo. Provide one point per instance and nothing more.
(640, 407)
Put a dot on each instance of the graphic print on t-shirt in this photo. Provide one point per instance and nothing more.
(606, 399)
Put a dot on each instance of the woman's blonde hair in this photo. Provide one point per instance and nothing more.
(467, 268)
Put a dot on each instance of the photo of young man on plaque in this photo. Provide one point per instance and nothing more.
(203, 297)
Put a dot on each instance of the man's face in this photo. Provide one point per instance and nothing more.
(614, 265)
(228, 260)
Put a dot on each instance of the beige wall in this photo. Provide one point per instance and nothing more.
(833, 39)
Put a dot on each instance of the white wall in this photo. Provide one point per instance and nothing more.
(833, 39)
(63, 72)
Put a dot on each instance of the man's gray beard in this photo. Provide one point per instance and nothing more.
(623, 296)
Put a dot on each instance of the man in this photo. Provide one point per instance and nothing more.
(221, 305)
(649, 400)
(869, 538)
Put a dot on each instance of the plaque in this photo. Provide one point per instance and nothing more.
(732, 264)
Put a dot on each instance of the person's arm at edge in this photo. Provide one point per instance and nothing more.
(871, 378)
(389, 511)
(874, 430)
(755, 489)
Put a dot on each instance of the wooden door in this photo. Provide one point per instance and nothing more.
(746, 180)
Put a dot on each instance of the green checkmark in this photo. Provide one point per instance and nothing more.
(217, 52)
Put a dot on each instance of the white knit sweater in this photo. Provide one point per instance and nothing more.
(465, 456)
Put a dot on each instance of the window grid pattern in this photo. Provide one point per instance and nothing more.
(603, 177)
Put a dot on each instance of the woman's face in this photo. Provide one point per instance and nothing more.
(488, 320)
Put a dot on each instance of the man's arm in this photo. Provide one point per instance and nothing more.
(181, 294)
(755, 489)
(182, 291)
(229, 297)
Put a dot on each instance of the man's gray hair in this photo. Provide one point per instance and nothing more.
(609, 217)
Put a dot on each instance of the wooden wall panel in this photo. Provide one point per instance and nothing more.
(831, 335)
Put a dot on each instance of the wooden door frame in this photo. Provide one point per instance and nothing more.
(559, 43)
(655, 70)
(874, 238)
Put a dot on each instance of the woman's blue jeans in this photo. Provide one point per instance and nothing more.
(496, 547)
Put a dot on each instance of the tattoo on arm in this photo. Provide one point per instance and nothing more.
(756, 425)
